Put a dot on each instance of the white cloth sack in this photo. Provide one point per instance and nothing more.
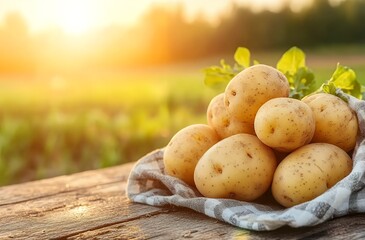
(148, 184)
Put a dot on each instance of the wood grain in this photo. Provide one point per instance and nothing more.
(93, 205)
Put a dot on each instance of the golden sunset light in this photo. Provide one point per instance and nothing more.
(80, 16)
(75, 17)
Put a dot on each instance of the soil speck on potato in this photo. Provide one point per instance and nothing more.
(217, 168)
(288, 198)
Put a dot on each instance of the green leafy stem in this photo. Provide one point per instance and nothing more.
(293, 65)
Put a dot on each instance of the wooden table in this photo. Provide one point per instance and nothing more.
(93, 205)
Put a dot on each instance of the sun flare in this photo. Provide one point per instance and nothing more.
(75, 17)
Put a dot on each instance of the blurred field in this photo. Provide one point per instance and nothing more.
(52, 124)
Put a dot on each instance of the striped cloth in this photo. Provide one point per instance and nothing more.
(148, 184)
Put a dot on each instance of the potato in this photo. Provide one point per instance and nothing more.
(284, 124)
(225, 125)
(308, 172)
(186, 148)
(336, 122)
(239, 167)
(251, 88)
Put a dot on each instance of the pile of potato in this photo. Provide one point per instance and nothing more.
(258, 139)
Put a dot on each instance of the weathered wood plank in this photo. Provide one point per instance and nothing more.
(184, 223)
(71, 212)
(43, 188)
(178, 224)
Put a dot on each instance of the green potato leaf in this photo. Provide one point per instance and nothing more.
(291, 61)
(329, 88)
(301, 78)
(343, 78)
(293, 65)
(243, 57)
(218, 76)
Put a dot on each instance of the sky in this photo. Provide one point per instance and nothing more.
(78, 16)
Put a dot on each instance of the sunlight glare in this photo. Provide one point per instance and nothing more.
(275, 5)
(81, 16)
(259, 5)
(78, 211)
(75, 17)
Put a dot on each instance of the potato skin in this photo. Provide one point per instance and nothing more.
(186, 148)
(239, 167)
(285, 124)
(308, 172)
(251, 88)
(223, 123)
(336, 122)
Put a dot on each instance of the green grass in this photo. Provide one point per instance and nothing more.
(52, 125)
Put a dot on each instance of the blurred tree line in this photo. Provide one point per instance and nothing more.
(320, 24)
(164, 35)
